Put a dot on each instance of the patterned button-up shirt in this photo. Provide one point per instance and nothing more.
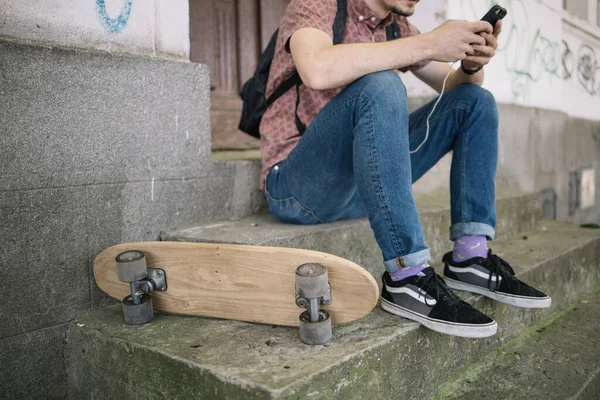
(278, 131)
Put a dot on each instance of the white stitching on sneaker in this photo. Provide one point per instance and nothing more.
(474, 272)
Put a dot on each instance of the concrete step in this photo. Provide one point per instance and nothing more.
(185, 357)
(353, 239)
(558, 359)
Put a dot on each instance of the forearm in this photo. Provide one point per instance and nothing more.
(458, 77)
(336, 66)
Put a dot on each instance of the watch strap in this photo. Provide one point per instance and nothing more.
(470, 71)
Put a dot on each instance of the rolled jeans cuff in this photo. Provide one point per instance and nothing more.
(472, 229)
(411, 260)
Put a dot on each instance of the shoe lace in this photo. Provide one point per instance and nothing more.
(499, 268)
(434, 281)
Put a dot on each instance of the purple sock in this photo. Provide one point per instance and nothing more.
(467, 247)
(403, 273)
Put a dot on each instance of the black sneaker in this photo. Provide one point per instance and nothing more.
(425, 298)
(494, 278)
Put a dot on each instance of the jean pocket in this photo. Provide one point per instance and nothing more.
(289, 210)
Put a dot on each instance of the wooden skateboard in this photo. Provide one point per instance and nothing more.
(265, 285)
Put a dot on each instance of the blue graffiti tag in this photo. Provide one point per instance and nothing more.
(113, 25)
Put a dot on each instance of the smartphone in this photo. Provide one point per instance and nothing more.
(496, 13)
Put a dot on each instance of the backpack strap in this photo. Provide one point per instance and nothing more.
(392, 31)
(284, 87)
(339, 27)
(339, 23)
(299, 124)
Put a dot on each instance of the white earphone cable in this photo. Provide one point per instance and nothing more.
(433, 109)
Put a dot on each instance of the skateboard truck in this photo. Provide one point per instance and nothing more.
(312, 291)
(132, 268)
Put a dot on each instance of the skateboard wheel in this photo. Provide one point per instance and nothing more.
(318, 332)
(137, 314)
(131, 266)
(311, 281)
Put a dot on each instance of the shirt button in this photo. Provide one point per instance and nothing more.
(373, 19)
(276, 168)
(360, 18)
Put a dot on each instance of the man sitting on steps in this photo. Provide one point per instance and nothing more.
(361, 150)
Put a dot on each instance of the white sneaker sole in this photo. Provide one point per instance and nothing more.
(449, 328)
(511, 299)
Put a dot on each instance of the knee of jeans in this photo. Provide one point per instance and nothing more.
(384, 85)
(480, 100)
(478, 95)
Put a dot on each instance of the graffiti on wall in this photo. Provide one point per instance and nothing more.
(581, 67)
(568, 61)
(530, 56)
(587, 69)
(113, 25)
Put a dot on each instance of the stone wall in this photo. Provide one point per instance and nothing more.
(96, 149)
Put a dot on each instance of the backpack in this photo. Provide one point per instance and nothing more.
(253, 92)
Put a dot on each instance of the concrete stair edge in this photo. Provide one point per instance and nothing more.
(387, 342)
(530, 275)
(528, 365)
(354, 239)
(123, 378)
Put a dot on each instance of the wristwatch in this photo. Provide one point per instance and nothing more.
(470, 71)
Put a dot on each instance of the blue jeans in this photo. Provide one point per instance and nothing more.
(354, 161)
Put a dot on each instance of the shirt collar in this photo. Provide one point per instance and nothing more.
(360, 12)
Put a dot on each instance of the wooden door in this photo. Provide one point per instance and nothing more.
(271, 12)
(228, 36)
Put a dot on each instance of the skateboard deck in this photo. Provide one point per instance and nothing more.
(240, 282)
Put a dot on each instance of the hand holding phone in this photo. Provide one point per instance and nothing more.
(495, 14)
(473, 63)
(455, 39)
